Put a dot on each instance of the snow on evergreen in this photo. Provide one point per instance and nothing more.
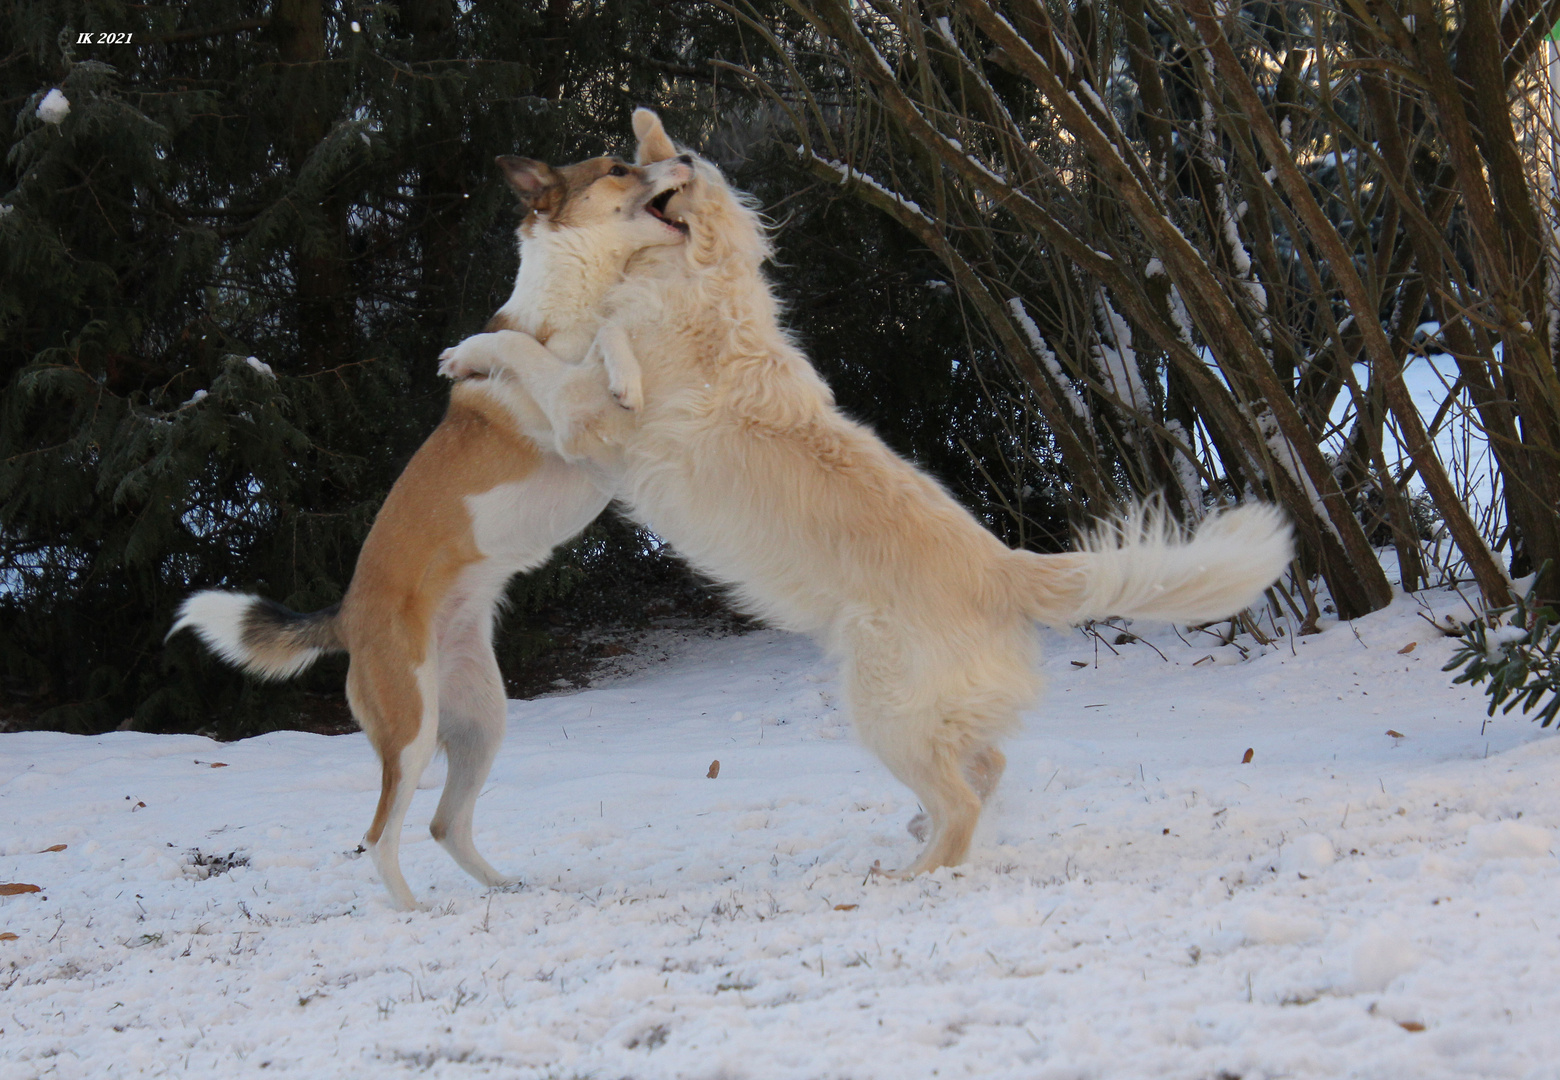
(54, 107)
(1372, 895)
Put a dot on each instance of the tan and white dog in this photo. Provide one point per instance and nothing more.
(740, 459)
(478, 503)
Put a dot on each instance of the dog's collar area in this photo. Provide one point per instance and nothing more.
(656, 207)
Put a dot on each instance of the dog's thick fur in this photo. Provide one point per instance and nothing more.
(739, 458)
(478, 503)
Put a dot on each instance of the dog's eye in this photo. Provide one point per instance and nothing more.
(618, 170)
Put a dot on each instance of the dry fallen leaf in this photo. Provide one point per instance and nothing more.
(8, 936)
(55, 847)
(845, 907)
(219, 764)
(714, 770)
(1411, 1025)
(16, 888)
(1407, 648)
(1396, 734)
(1250, 753)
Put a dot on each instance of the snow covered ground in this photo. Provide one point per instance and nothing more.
(1139, 903)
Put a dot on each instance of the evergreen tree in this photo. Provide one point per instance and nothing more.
(227, 269)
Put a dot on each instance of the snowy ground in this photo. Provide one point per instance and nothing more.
(1139, 904)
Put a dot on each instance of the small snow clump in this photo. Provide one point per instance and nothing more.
(1380, 957)
(1265, 927)
(1509, 840)
(54, 107)
(1309, 855)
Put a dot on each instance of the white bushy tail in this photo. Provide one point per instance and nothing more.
(1142, 566)
(258, 635)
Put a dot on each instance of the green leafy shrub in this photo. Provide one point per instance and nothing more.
(1515, 648)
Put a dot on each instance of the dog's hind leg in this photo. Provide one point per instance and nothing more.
(935, 773)
(902, 713)
(398, 705)
(471, 727)
(935, 720)
(983, 767)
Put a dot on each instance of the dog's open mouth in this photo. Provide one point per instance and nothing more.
(659, 208)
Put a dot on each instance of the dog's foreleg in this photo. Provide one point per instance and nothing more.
(579, 403)
(625, 379)
(576, 398)
(500, 350)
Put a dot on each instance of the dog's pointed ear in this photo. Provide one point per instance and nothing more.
(654, 144)
(537, 184)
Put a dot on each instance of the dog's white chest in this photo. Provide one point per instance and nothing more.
(519, 524)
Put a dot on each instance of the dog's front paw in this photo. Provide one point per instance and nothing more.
(457, 363)
(631, 399)
(626, 387)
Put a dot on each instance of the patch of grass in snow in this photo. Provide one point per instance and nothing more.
(201, 866)
(651, 1039)
(427, 1059)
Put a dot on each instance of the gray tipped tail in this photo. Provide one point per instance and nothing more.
(258, 635)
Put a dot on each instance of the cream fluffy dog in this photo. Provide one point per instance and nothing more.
(740, 459)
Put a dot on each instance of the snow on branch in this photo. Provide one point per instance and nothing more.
(1047, 358)
(847, 173)
(1116, 359)
(1284, 453)
(1178, 313)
